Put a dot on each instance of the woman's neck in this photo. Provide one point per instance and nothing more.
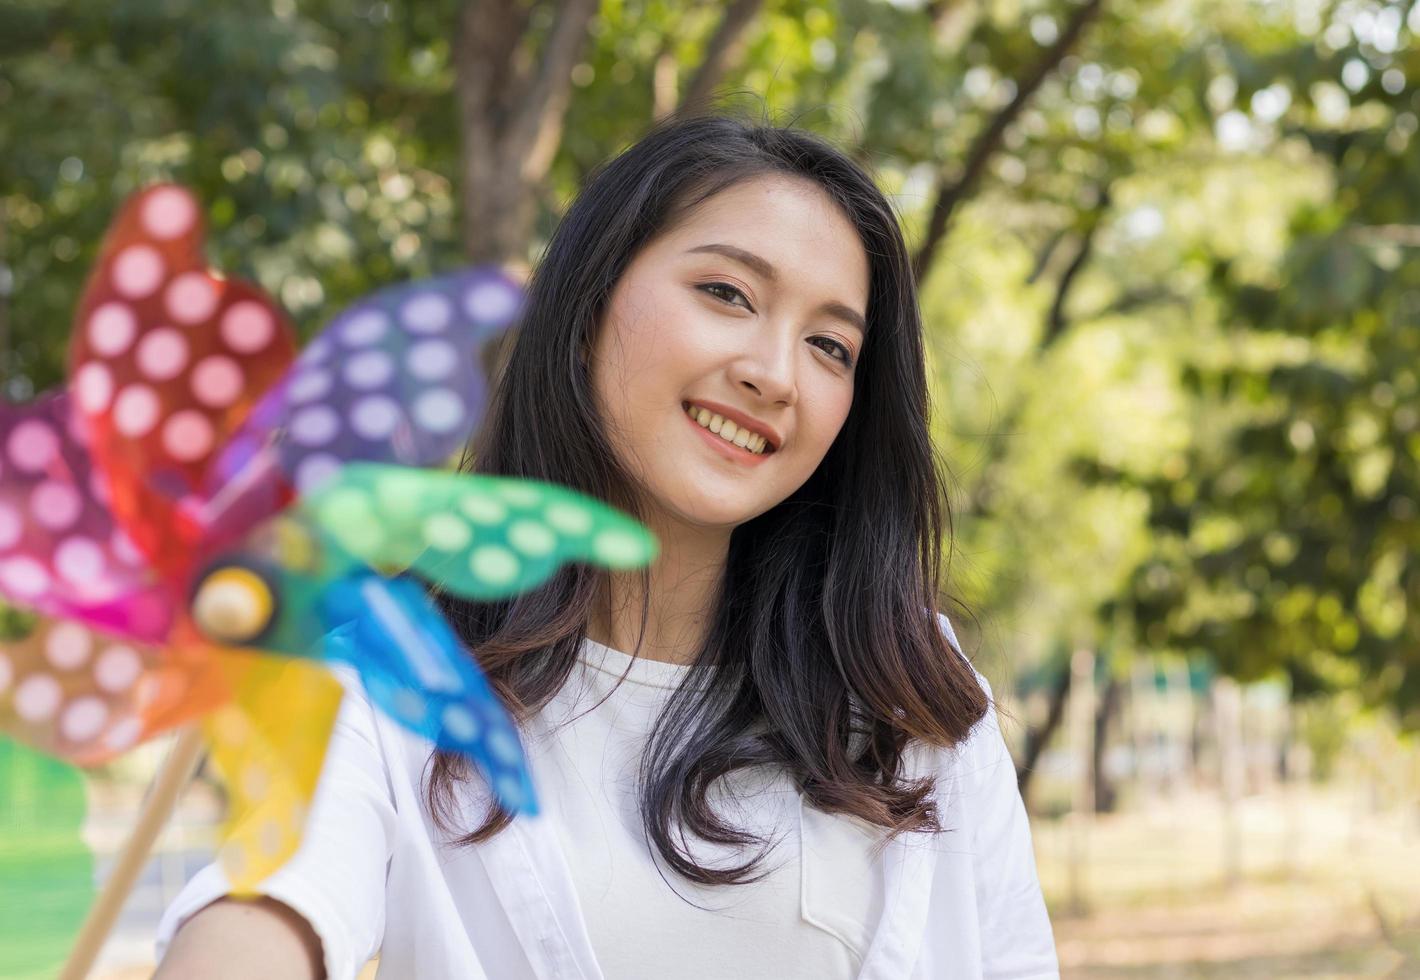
(684, 585)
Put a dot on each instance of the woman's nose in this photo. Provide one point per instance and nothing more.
(769, 368)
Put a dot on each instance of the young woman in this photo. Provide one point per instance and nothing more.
(765, 755)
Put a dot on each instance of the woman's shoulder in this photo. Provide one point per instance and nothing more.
(984, 744)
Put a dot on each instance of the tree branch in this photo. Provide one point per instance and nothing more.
(723, 48)
(535, 127)
(1055, 322)
(952, 194)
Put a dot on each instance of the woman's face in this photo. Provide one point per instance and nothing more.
(751, 304)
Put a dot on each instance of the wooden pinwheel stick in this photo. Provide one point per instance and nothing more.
(167, 786)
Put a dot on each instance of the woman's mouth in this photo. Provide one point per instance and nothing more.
(731, 440)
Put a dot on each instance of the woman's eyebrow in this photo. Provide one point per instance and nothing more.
(766, 269)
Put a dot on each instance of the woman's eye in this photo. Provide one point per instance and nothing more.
(711, 287)
(844, 354)
(839, 352)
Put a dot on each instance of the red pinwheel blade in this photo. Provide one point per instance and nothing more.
(61, 553)
(167, 359)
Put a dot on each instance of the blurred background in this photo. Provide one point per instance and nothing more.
(1169, 257)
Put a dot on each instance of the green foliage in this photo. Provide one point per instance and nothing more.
(1172, 329)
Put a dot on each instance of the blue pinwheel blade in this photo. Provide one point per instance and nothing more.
(417, 672)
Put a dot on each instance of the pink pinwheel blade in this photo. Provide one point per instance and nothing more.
(61, 552)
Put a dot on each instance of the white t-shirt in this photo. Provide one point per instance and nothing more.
(576, 891)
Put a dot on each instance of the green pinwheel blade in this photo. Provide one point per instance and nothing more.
(46, 869)
(481, 537)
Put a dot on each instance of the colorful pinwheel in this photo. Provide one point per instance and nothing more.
(200, 499)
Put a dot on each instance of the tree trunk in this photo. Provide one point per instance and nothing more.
(511, 104)
(1105, 795)
(1038, 738)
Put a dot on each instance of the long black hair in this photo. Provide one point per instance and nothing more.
(830, 656)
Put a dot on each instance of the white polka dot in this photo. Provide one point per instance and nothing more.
(68, 645)
(617, 548)
(255, 781)
(271, 838)
(56, 505)
(408, 705)
(316, 352)
(315, 470)
(510, 791)
(191, 298)
(439, 410)
(482, 509)
(124, 549)
(460, 723)
(96, 589)
(123, 735)
(248, 327)
(117, 669)
(135, 411)
(431, 360)
(162, 354)
(491, 302)
(518, 492)
(32, 446)
(76, 428)
(446, 532)
(531, 538)
(504, 747)
(137, 271)
(568, 518)
(24, 577)
(11, 527)
(83, 719)
(79, 560)
(375, 417)
(426, 313)
(187, 436)
(98, 487)
(494, 565)
(217, 381)
(364, 327)
(37, 697)
(93, 387)
(7, 673)
(111, 329)
(308, 386)
(368, 369)
(315, 426)
(169, 212)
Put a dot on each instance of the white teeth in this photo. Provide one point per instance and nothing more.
(728, 430)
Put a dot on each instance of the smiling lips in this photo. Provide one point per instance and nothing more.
(730, 432)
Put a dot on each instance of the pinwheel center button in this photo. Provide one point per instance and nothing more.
(233, 604)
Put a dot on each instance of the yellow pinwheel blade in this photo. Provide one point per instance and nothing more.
(269, 744)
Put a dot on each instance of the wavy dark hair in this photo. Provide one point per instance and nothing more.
(829, 656)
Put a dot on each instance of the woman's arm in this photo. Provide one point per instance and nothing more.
(335, 882)
(240, 938)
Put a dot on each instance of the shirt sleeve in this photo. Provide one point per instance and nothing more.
(1017, 942)
(336, 879)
